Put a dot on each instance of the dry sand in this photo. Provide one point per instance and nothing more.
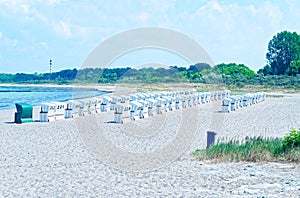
(51, 159)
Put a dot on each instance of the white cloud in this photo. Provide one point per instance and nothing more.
(229, 31)
(66, 30)
(63, 29)
(1, 35)
(235, 32)
(237, 20)
(159, 6)
(143, 17)
(293, 6)
(52, 2)
(11, 43)
(272, 13)
(214, 6)
(15, 3)
(23, 10)
(43, 44)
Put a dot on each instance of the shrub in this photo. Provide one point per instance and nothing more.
(292, 139)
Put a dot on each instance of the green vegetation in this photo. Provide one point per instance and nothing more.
(282, 71)
(228, 75)
(255, 149)
(234, 70)
(283, 54)
(291, 140)
(61, 77)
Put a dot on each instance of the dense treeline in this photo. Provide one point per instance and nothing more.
(109, 75)
(283, 69)
(63, 76)
(226, 74)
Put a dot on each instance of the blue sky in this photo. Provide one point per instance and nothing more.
(32, 31)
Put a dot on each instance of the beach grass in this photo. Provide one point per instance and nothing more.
(255, 149)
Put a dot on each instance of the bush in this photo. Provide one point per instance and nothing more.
(291, 140)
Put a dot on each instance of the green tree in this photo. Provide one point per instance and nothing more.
(199, 67)
(265, 70)
(294, 68)
(6, 78)
(283, 48)
(233, 69)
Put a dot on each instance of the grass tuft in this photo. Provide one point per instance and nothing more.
(254, 149)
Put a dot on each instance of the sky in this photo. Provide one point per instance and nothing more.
(34, 31)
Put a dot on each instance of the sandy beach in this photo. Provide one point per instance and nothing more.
(54, 160)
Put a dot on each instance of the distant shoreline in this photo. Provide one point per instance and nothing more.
(5, 102)
(105, 88)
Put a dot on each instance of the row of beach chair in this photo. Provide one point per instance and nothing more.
(141, 105)
(233, 103)
(133, 106)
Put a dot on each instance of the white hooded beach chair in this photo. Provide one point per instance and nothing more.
(183, 102)
(203, 98)
(95, 104)
(245, 100)
(177, 101)
(60, 110)
(47, 112)
(104, 103)
(113, 102)
(233, 103)
(136, 108)
(118, 113)
(226, 105)
(151, 104)
(159, 104)
(219, 95)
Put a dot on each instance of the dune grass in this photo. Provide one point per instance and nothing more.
(252, 149)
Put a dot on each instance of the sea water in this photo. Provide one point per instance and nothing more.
(35, 95)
